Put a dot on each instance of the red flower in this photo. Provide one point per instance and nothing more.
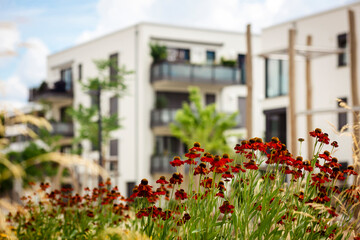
(321, 198)
(190, 161)
(307, 166)
(336, 190)
(251, 165)
(207, 182)
(162, 180)
(226, 208)
(218, 162)
(207, 158)
(332, 212)
(325, 155)
(201, 169)
(334, 144)
(227, 175)
(221, 186)
(350, 170)
(181, 194)
(144, 190)
(142, 213)
(177, 178)
(226, 158)
(160, 191)
(197, 147)
(237, 168)
(220, 194)
(192, 154)
(176, 162)
(44, 186)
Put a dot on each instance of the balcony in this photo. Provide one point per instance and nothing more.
(65, 129)
(183, 74)
(160, 164)
(162, 117)
(60, 93)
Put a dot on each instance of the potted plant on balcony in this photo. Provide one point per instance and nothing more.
(158, 52)
(227, 62)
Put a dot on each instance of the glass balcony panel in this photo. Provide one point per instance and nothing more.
(202, 72)
(224, 74)
(180, 71)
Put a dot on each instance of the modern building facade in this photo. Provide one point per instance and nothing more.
(329, 62)
(143, 146)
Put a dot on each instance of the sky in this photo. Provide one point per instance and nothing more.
(32, 29)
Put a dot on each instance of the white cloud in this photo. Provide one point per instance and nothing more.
(14, 92)
(32, 66)
(115, 14)
(218, 14)
(9, 38)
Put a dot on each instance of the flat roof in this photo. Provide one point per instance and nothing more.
(151, 24)
(315, 14)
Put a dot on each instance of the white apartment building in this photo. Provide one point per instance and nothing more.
(330, 74)
(143, 146)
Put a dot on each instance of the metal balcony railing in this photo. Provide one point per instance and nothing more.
(182, 72)
(63, 128)
(162, 117)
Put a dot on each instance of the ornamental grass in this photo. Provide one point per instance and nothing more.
(263, 192)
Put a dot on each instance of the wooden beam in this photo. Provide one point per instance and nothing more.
(249, 82)
(354, 92)
(308, 97)
(292, 97)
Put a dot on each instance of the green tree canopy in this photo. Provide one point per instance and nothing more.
(195, 123)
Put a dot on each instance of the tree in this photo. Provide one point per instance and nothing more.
(195, 123)
(93, 126)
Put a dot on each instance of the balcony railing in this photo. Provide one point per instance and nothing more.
(160, 164)
(162, 117)
(182, 72)
(61, 90)
(63, 128)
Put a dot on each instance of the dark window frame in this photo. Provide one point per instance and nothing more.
(210, 98)
(114, 64)
(279, 81)
(114, 147)
(114, 105)
(342, 43)
(208, 53)
(272, 112)
(80, 71)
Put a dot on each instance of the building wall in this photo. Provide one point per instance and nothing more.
(136, 139)
(328, 80)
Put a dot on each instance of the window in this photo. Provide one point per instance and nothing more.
(166, 145)
(113, 165)
(342, 43)
(114, 105)
(114, 147)
(94, 99)
(276, 77)
(276, 124)
(210, 98)
(66, 76)
(342, 116)
(114, 63)
(64, 116)
(210, 57)
(80, 72)
(344, 166)
(242, 111)
(178, 55)
(129, 188)
(241, 61)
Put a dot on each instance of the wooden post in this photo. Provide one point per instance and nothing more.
(309, 126)
(354, 92)
(292, 97)
(249, 82)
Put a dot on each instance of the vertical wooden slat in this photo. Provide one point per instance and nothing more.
(249, 82)
(292, 97)
(354, 90)
(309, 126)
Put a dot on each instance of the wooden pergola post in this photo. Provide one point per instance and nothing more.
(354, 92)
(249, 82)
(292, 97)
(309, 126)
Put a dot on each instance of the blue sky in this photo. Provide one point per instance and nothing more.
(32, 29)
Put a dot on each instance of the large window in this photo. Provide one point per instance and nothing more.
(114, 61)
(210, 98)
(66, 76)
(178, 55)
(242, 111)
(114, 105)
(241, 62)
(210, 57)
(276, 124)
(342, 43)
(166, 145)
(276, 77)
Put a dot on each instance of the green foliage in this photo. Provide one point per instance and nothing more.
(195, 123)
(87, 117)
(228, 62)
(158, 52)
